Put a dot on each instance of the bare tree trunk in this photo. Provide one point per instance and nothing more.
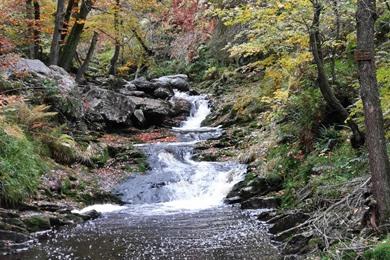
(336, 13)
(376, 142)
(114, 59)
(72, 4)
(148, 51)
(55, 43)
(37, 30)
(69, 49)
(30, 28)
(357, 139)
(91, 50)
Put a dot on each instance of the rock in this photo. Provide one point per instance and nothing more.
(298, 244)
(287, 221)
(144, 85)
(36, 223)
(117, 83)
(90, 215)
(154, 110)
(108, 106)
(261, 186)
(181, 106)
(163, 93)
(235, 192)
(233, 200)
(261, 203)
(139, 115)
(135, 93)
(66, 83)
(14, 236)
(7, 213)
(130, 90)
(179, 82)
(266, 215)
(31, 66)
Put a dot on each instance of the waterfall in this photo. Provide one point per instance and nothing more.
(175, 181)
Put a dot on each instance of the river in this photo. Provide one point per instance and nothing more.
(174, 211)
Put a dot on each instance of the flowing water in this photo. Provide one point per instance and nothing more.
(175, 211)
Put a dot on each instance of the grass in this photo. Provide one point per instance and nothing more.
(20, 169)
(379, 252)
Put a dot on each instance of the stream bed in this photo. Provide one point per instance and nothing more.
(174, 211)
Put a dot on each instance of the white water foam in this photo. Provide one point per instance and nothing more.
(101, 208)
(198, 185)
(199, 112)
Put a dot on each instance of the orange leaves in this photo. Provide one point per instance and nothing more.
(154, 137)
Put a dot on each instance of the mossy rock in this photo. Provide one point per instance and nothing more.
(37, 223)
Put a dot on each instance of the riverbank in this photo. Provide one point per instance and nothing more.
(316, 185)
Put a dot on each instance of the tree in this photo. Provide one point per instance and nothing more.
(376, 142)
(114, 59)
(70, 47)
(91, 50)
(33, 15)
(323, 80)
(56, 40)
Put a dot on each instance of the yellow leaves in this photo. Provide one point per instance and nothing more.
(81, 21)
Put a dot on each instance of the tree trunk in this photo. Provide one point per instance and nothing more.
(70, 47)
(72, 4)
(37, 30)
(30, 28)
(148, 51)
(55, 43)
(91, 50)
(114, 59)
(376, 142)
(357, 139)
(336, 12)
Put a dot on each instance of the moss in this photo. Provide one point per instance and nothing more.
(37, 223)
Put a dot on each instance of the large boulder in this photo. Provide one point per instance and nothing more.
(38, 69)
(144, 85)
(154, 110)
(179, 82)
(106, 106)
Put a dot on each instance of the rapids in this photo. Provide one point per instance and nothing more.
(175, 211)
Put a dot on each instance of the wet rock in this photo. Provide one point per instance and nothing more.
(233, 200)
(266, 215)
(14, 236)
(298, 244)
(261, 203)
(90, 215)
(261, 186)
(36, 223)
(163, 93)
(235, 192)
(7, 213)
(181, 106)
(52, 206)
(287, 221)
